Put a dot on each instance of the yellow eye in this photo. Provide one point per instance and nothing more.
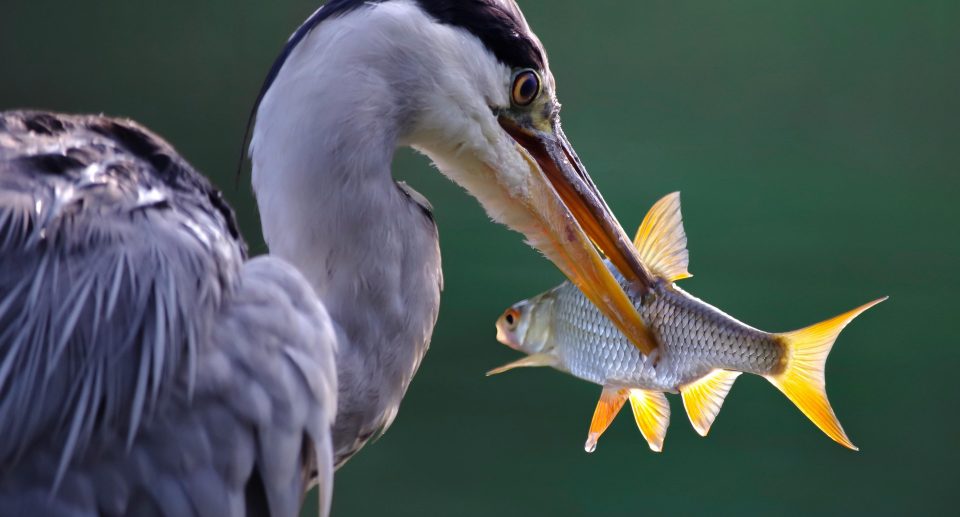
(526, 87)
(511, 318)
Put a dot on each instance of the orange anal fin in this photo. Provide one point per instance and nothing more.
(652, 414)
(611, 401)
(703, 398)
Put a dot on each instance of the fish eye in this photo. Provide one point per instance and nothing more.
(526, 87)
(511, 317)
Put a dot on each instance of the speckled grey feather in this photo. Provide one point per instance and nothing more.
(145, 368)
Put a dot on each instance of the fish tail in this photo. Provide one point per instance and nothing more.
(802, 376)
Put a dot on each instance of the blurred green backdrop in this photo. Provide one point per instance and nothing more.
(816, 146)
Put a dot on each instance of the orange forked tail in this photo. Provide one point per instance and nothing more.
(802, 379)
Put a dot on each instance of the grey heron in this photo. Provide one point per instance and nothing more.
(146, 366)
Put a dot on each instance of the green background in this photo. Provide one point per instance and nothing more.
(816, 146)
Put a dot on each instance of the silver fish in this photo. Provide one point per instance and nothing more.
(700, 350)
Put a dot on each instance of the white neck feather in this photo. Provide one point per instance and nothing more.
(322, 148)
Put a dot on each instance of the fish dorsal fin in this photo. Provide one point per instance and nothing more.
(652, 414)
(703, 398)
(661, 241)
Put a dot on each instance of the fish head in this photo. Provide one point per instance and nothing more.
(525, 325)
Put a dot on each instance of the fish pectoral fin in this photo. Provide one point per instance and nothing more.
(526, 362)
(661, 241)
(611, 401)
(651, 410)
(703, 398)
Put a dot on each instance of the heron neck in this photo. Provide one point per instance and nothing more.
(328, 204)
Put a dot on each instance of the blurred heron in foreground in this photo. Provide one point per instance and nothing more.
(148, 367)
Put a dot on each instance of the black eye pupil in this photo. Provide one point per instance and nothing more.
(529, 88)
(509, 319)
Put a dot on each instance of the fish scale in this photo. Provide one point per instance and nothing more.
(697, 349)
(694, 338)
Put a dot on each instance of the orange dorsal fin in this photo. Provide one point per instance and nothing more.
(802, 377)
(703, 398)
(611, 401)
(652, 414)
(661, 241)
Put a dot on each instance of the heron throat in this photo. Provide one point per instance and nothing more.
(322, 157)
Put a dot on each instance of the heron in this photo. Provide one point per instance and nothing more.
(149, 366)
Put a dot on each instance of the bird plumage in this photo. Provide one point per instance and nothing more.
(143, 324)
(144, 366)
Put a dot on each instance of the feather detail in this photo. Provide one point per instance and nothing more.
(133, 336)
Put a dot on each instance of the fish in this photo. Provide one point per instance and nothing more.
(700, 350)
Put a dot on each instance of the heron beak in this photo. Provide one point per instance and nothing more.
(570, 217)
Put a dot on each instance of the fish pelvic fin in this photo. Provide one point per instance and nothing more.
(610, 404)
(802, 378)
(703, 398)
(651, 411)
(661, 241)
(526, 362)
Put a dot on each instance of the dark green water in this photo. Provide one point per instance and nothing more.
(817, 146)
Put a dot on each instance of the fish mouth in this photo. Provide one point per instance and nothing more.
(507, 338)
(571, 221)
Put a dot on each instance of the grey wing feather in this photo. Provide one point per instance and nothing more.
(144, 367)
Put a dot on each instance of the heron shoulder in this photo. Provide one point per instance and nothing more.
(114, 254)
(72, 166)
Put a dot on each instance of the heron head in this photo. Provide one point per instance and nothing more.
(468, 84)
(489, 118)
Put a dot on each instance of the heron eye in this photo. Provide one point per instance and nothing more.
(526, 87)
